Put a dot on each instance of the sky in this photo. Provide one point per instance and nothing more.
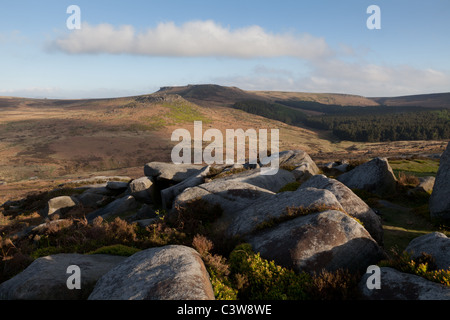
(126, 48)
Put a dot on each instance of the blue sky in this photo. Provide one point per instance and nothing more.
(134, 47)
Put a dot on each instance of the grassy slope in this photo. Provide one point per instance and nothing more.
(417, 167)
(53, 139)
(406, 217)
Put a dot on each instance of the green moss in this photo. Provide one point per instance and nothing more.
(291, 186)
(117, 250)
(43, 252)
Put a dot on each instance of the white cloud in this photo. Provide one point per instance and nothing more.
(192, 39)
(375, 79)
(337, 76)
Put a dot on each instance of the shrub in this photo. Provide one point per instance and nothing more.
(352, 164)
(423, 266)
(338, 285)
(217, 267)
(261, 279)
(195, 216)
(407, 179)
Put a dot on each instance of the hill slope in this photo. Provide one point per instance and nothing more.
(214, 95)
(49, 139)
(210, 95)
(436, 100)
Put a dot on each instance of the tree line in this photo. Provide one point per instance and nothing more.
(364, 124)
(422, 125)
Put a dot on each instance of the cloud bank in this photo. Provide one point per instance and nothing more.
(192, 39)
(337, 76)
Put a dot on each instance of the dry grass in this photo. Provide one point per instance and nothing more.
(406, 179)
(51, 139)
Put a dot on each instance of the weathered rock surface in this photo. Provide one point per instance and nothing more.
(46, 278)
(117, 207)
(396, 285)
(269, 182)
(440, 199)
(327, 240)
(169, 194)
(117, 185)
(375, 176)
(171, 272)
(59, 205)
(301, 164)
(171, 171)
(142, 189)
(335, 168)
(351, 203)
(232, 196)
(92, 199)
(426, 184)
(146, 211)
(274, 207)
(102, 190)
(436, 243)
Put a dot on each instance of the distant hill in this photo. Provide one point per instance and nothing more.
(215, 95)
(210, 95)
(436, 100)
(322, 98)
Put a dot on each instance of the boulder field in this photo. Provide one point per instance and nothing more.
(319, 224)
